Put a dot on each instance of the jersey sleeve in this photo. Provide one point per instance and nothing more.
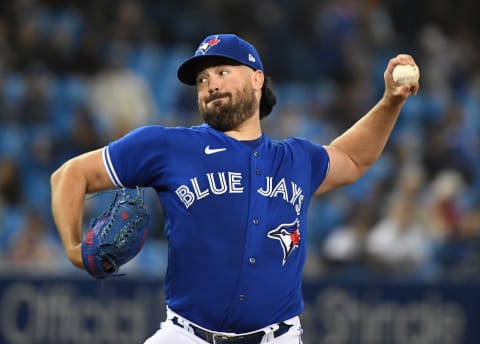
(137, 159)
(319, 161)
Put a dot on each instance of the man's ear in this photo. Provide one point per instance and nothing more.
(258, 79)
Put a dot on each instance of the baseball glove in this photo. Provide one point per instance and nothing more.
(116, 236)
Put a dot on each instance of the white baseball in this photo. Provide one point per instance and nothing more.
(406, 74)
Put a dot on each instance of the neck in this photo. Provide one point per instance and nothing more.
(249, 130)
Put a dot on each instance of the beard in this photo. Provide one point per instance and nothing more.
(229, 112)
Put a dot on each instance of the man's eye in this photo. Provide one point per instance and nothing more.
(223, 72)
(201, 80)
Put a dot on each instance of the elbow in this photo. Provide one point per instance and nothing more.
(356, 171)
(59, 174)
(359, 171)
(350, 179)
(345, 167)
(55, 177)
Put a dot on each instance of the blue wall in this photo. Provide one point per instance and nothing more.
(120, 310)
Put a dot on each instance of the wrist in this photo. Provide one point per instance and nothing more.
(74, 254)
(394, 103)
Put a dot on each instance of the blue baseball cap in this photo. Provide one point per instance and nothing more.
(228, 46)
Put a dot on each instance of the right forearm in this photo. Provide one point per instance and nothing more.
(70, 183)
(68, 189)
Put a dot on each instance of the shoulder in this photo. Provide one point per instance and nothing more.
(202, 129)
(159, 132)
(297, 143)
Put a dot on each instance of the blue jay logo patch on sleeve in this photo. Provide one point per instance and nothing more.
(289, 237)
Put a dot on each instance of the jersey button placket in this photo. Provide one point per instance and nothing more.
(255, 222)
(256, 155)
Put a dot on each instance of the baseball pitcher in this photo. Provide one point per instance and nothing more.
(235, 201)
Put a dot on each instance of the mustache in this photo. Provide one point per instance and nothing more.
(215, 96)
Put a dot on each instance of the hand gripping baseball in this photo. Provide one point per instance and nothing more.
(116, 236)
(401, 78)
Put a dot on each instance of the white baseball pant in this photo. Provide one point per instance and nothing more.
(170, 332)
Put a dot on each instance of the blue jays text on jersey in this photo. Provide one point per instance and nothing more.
(235, 215)
(231, 182)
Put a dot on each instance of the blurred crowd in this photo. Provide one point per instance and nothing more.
(75, 75)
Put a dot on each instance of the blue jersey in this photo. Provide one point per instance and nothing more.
(236, 215)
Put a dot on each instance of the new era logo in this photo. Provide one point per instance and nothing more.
(251, 58)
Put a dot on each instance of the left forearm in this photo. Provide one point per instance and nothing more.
(353, 152)
(366, 139)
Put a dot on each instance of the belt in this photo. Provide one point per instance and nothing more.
(219, 338)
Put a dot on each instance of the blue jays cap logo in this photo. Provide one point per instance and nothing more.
(289, 237)
(204, 46)
(228, 46)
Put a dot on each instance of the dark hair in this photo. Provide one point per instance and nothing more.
(268, 100)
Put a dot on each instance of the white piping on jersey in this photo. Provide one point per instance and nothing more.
(109, 167)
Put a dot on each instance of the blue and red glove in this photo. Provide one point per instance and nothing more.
(116, 236)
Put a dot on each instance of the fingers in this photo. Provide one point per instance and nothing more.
(391, 88)
(398, 60)
(414, 89)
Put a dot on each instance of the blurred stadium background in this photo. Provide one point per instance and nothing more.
(393, 258)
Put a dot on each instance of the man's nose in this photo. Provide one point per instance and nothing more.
(213, 85)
